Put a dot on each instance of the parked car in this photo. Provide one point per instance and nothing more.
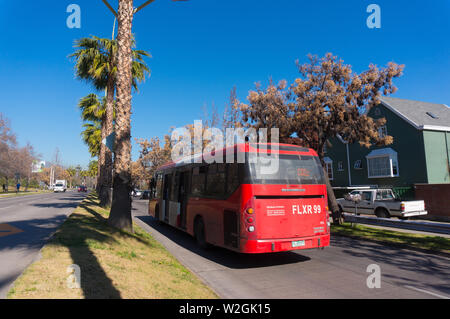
(136, 193)
(380, 202)
(82, 188)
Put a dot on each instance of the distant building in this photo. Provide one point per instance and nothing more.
(420, 153)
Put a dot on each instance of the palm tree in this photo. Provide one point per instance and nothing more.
(91, 135)
(96, 62)
(93, 111)
(120, 215)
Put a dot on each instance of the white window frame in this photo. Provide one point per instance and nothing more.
(329, 164)
(383, 153)
(340, 166)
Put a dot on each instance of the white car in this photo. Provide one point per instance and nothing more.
(136, 193)
(59, 188)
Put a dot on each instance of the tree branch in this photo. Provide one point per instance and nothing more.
(142, 6)
(110, 8)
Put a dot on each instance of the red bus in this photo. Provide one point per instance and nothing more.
(231, 205)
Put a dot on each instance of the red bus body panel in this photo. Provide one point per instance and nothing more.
(290, 214)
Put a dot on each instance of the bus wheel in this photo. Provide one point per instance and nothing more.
(199, 231)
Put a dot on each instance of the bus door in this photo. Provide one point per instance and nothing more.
(182, 197)
(166, 195)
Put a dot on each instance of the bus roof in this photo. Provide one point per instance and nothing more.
(265, 148)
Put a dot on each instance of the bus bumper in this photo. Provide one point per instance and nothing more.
(285, 244)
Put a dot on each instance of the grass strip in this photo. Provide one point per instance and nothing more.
(418, 241)
(22, 193)
(113, 263)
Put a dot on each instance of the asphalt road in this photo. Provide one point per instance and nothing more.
(26, 223)
(338, 271)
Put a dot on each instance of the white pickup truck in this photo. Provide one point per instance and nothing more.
(380, 202)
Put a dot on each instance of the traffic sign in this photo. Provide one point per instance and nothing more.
(109, 141)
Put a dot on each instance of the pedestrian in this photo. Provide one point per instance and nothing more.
(4, 188)
(18, 187)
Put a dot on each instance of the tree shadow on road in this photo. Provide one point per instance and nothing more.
(223, 256)
(81, 233)
(416, 262)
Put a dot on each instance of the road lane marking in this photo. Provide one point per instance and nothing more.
(428, 292)
(6, 230)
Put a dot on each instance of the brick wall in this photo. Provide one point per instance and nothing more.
(437, 199)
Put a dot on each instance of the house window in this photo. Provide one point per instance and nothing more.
(324, 148)
(382, 131)
(340, 166)
(357, 165)
(382, 163)
(379, 166)
(329, 167)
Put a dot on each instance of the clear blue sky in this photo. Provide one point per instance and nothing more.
(201, 49)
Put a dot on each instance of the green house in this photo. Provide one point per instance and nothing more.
(420, 152)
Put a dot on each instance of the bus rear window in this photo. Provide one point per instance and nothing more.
(292, 169)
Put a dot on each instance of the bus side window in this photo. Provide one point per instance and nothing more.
(175, 186)
(215, 180)
(232, 178)
(167, 186)
(158, 187)
(198, 180)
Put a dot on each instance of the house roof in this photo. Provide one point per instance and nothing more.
(382, 152)
(422, 115)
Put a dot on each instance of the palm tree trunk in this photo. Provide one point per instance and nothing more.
(98, 175)
(120, 216)
(101, 161)
(105, 198)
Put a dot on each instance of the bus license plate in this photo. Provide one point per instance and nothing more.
(298, 243)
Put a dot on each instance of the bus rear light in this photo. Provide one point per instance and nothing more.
(402, 207)
(249, 210)
(249, 220)
(251, 229)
